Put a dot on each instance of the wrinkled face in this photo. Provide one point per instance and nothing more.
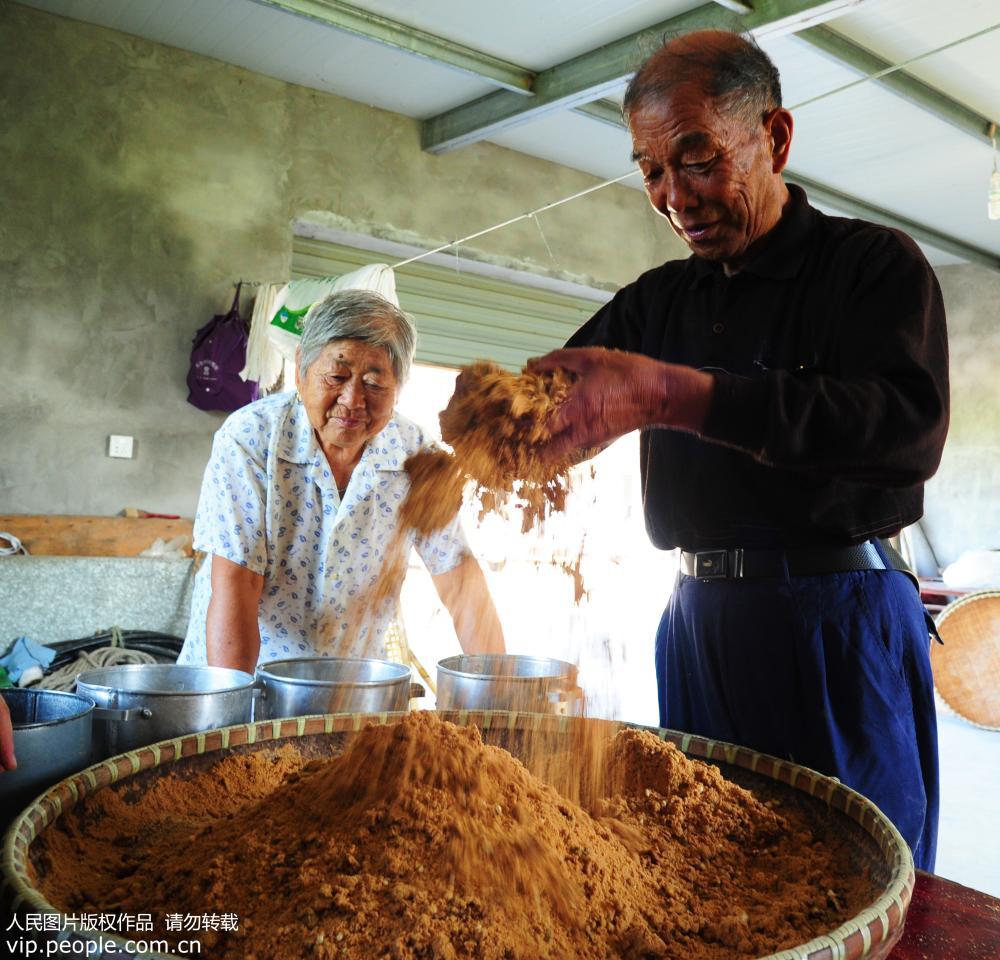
(709, 173)
(349, 393)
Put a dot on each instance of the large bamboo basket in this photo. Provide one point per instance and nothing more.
(878, 846)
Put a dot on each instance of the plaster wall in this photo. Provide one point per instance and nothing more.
(962, 501)
(140, 181)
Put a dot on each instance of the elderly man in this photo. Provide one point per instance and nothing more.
(798, 363)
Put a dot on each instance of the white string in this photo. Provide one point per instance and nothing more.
(894, 67)
(541, 233)
(517, 219)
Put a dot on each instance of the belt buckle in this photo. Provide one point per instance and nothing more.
(716, 564)
(710, 564)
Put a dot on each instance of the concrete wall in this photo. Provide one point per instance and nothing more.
(962, 508)
(139, 182)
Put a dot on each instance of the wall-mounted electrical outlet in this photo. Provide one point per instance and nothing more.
(120, 447)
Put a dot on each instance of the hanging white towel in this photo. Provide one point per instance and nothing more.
(264, 360)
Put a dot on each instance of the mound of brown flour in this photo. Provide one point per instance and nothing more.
(419, 841)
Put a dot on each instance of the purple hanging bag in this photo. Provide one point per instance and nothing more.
(218, 354)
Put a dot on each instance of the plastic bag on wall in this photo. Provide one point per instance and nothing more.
(974, 568)
(296, 298)
(172, 549)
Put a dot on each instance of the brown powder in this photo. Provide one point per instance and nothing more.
(496, 426)
(420, 841)
(435, 494)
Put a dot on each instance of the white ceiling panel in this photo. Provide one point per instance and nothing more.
(572, 140)
(290, 48)
(805, 72)
(898, 30)
(535, 34)
(872, 145)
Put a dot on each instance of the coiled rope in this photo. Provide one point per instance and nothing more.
(110, 656)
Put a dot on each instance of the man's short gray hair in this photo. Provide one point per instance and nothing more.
(729, 67)
(359, 315)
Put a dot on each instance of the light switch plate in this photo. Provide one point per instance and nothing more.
(119, 446)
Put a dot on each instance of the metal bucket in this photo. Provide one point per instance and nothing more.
(504, 682)
(308, 685)
(159, 701)
(52, 739)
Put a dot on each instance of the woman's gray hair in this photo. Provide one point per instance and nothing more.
(359, 315)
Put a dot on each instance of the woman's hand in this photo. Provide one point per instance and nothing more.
(617, 392)
(7, 759)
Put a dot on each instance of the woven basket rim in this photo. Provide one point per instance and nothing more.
(964, 601)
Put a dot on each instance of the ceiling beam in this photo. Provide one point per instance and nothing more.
(903, 84)
(370, 26)
(608, 112)
(591, 75)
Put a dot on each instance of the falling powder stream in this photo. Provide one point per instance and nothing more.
(496, 425)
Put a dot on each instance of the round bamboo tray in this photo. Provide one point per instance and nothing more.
(967, 665)
(878, 846)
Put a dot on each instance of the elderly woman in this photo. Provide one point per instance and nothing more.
(299, 506)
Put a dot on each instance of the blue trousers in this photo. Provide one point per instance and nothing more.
(831, 672)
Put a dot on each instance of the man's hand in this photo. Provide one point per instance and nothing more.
(7, 759)
(617, 392)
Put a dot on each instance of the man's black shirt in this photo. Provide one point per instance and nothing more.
(830, 358)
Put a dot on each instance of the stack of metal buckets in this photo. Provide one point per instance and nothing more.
(117, 709)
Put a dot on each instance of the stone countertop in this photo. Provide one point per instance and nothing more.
(61, 598)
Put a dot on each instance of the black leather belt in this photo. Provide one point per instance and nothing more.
(739, 563)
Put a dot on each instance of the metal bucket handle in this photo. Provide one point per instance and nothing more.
(106, 713)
